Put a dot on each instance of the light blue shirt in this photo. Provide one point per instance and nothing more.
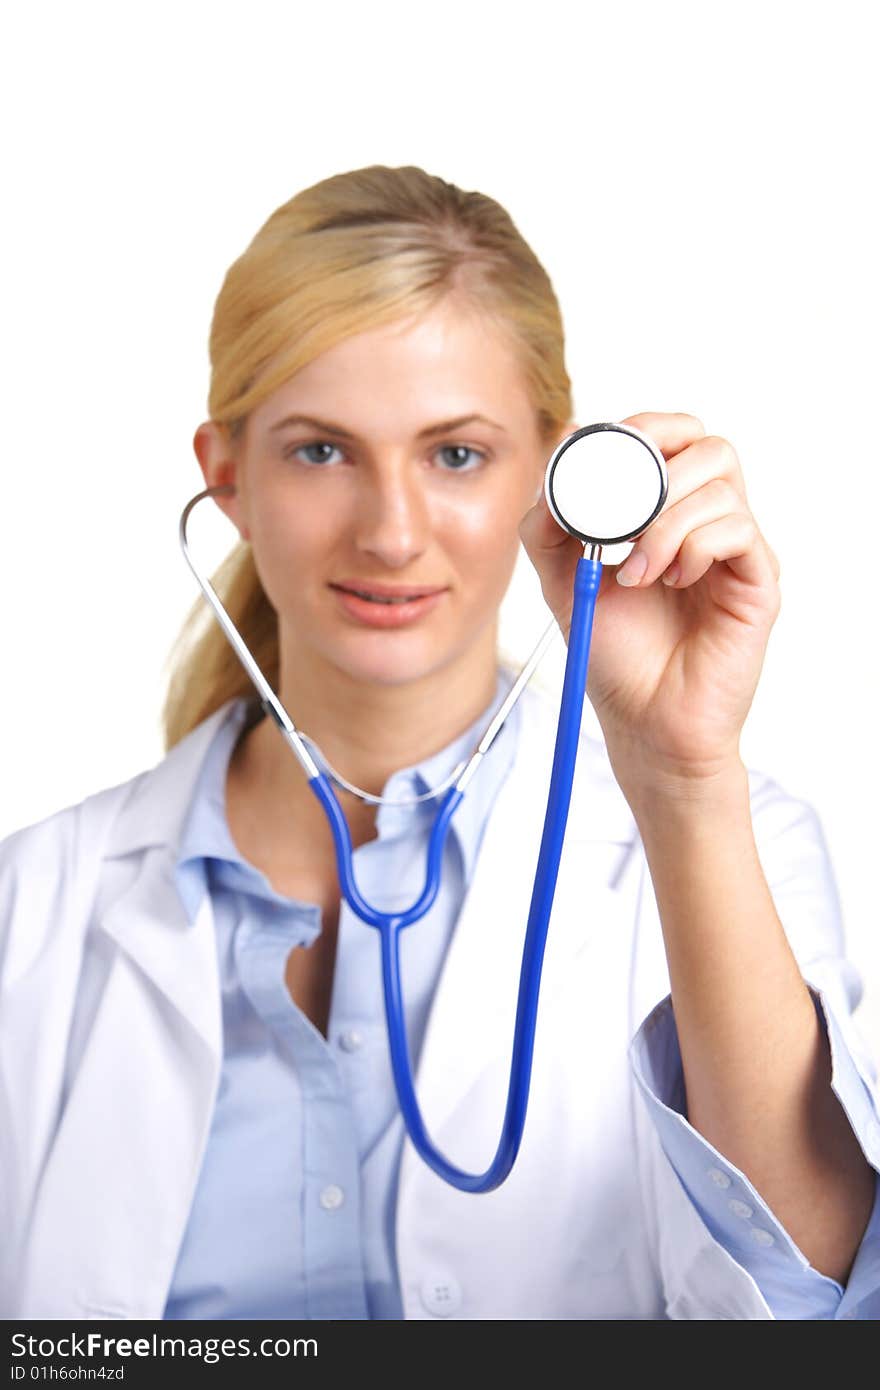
(293, 1214)
(294, 1211)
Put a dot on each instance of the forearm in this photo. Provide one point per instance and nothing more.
(756, 1064)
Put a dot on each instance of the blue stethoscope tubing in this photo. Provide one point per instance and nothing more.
(587, 579)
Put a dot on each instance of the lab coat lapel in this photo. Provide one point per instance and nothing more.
(149, 924)
(472, 1017)
(147, 921)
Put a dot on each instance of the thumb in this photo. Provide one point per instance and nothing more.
(539, 531)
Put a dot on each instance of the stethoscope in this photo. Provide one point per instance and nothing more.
(604, 484)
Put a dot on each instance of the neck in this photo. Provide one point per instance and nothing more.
(365, 730)
(369, 730)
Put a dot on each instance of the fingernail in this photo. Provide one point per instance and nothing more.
(671, 575)
(634, 567)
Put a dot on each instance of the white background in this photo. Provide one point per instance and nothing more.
(700, 182)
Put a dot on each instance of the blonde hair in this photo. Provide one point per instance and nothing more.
(353, 252)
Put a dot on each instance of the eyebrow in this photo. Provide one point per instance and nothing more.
(440, 428)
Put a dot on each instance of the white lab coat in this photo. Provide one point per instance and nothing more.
(110, 1054)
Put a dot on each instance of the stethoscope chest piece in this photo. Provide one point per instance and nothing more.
(606, 483)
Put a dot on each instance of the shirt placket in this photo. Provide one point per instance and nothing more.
(333, 1266)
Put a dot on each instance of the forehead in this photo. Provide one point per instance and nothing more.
(393, 380)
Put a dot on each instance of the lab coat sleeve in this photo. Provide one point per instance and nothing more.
(794, 856)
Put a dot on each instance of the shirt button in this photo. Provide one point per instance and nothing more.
(720, 1179)
(740, 1208)
(441, 1294)
(761, 1237)
(350, 1040)
(331, 1197)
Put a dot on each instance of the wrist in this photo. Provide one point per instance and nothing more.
(678, 794)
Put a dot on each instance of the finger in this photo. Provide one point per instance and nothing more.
(733, 539)
(671, 432)
(693, 467)
(662, 541)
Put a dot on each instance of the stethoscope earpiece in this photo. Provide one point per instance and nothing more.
(606, 483)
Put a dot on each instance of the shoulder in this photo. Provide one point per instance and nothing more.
(49, 869)
(50, 839)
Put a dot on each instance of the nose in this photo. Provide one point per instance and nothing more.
(393, 516)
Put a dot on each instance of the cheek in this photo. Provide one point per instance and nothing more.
(483, 540)
(490, 512)
(287, 542)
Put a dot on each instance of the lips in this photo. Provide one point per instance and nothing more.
(387, 613)
(386, 593)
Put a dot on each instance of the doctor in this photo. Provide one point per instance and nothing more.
(195, 1108)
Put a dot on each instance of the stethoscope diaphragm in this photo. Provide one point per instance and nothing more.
(606, 483)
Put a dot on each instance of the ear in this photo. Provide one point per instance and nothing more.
(219, 462)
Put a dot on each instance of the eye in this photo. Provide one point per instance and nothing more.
(456, 455)
(314, 448)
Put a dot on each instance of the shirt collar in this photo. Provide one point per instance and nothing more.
(205, 833)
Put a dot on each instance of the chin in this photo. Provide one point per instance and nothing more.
(385, 659)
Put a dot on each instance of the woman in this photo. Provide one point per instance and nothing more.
(203, 1123)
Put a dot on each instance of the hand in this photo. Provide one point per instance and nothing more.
(673, 666)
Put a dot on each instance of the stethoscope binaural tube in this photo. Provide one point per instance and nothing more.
(575, 493)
